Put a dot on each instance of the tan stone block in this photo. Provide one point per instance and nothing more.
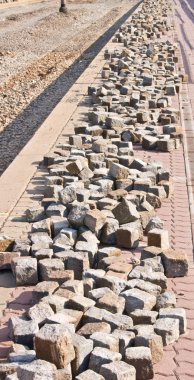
(53, 343)
(158, 238)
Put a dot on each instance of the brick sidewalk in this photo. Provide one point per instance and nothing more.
(178, 359)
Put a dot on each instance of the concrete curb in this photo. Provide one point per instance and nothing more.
(185, 121)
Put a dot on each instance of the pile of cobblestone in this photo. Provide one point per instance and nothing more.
(98, 313)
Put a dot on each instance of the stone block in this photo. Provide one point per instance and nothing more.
(75, 140)
(156, 278)
(95, 220)
(83, 347)
(95, 274)
(91, 328)
(124, 184)
(158, 191)
(127, 236)
(111, 302)
(126, 339)
(108, 252)
(175, 313)
(8, 371)
(88, 375)
(77, 214)
(118, 171)
(73, 316)
(63, 318)
(152, 341)
(41, 238)
(141, 359)
(117, 321)
(78, 263)
(74, 167)
(125, 212)
(107, 261)
(105, 340)
(35, 214)
(43, 253)
(115, 123)
(67, 195)
(100, 356)
(24, 332)
(143, 184)
(53, 343)
(58, 223)
(138, 299)
(56, 302)
(144, 285)
(168, 329)
(166, 300)
(120, 267)
(48, 266)
(150, 252)
(154, 200)
(165, 145)
(25, 271)
(144, 317)
(80, 303)
(60, 276)
(75, 286)
(154, 264)
(40, 312)
(118, 371)
(43, 289)
(99, 146)
(158, 238)
(12, 322)
(86, 174)
(175, 263)
(38, 369)
(22, 357)
(6, 244)
(65, 373)
(149, 142)
(42, 226)
(118, 194)
(6, 259)
(56, 210)
(83, 195)
(98, 293)
(22, 246)
(112, 282)
(88, 286)
(154, 222)
(64, 293)
(109, 229)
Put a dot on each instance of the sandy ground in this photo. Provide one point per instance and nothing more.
(29, 32)
(37, 45)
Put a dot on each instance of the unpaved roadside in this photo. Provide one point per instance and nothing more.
(35, 56)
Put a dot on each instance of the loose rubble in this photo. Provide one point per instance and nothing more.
(98, 313)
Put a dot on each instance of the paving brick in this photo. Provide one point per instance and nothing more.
(184, 369)
(166, 370)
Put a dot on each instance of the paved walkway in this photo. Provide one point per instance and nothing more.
(178, 360)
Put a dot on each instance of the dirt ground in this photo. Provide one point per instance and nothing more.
(37, 45)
